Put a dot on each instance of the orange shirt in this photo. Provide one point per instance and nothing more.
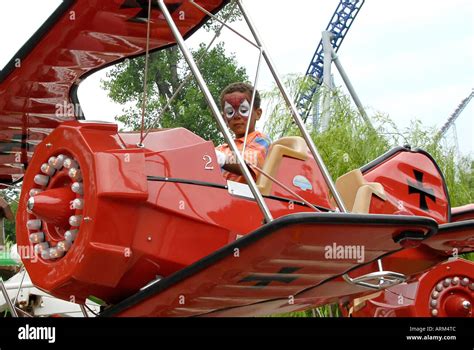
(256, 150)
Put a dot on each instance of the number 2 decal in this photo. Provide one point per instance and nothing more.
(208, 165)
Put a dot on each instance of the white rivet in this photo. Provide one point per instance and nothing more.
(30, 204)
(75, 220)
(55, 253)
(37, 237)
(466, 304)
(465, 281)
(58, 162)
(439, 287)
(41, 180)
(34, 224)
(70, 163)
(47, 169)
(434, 303)
(149, 238)
(40, 247)
(45, 254)
(51, 161)
(78, 203)
(77, 187)
(35, 191)
(455, 281)
(471, 286)
(70, 235)
(63, 246)
(434, 312)
(435, 294)
(447, 282)
(75, 174)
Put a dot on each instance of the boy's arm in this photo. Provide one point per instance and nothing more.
(227, 164)
(234, 168)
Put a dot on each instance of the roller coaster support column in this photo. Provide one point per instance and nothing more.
(327, 80)
(329, 52)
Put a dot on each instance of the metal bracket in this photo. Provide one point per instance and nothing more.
(7, 299)
(377, 280)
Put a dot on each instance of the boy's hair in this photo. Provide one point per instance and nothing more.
(244, 88)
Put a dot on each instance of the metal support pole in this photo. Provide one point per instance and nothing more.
(316, 111)
(7, 299)
(84, 311)
(294, 111)
(351, 89)
(327, 80)
(215, 111)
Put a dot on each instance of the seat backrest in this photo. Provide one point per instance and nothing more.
(292, 146)
(357, 192)
(291, 163)
(295, 143)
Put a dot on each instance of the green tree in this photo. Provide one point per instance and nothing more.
(347, 144)
(11, 195)
(166, 72)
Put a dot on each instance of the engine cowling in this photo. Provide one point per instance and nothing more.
(70, 242)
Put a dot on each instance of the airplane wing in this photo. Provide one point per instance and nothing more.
(456, 235)
(276, 263)
(38, 86)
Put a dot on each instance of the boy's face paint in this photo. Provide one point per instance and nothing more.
(234, 105)
(237, 113)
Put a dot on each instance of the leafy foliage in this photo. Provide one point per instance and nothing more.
(167, 70)
(349, 143)
(11, 195)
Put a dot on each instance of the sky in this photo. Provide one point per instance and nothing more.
(406, 58)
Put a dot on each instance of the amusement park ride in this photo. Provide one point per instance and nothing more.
(145, 224)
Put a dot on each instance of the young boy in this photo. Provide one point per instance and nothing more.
(235, 103)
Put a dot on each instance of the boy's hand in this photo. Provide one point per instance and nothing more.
(221, 158)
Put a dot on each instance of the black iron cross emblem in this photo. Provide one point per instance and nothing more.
(265, 281)
(420, 189)
(142, 16)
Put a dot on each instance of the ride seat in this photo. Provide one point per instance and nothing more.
(292, 146)
(357, 192)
